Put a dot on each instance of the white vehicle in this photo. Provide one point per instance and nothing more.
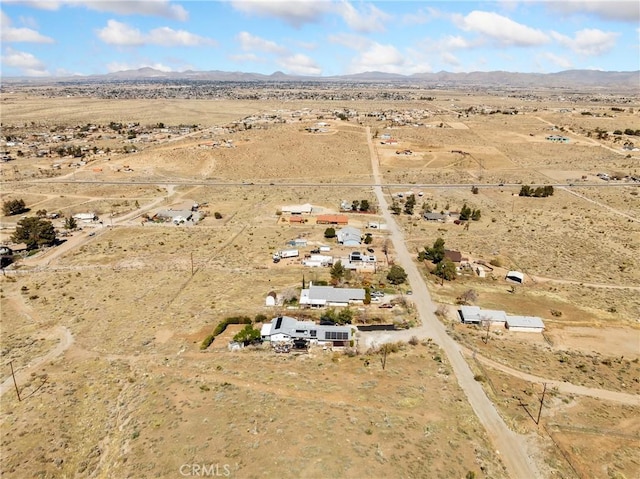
(287, 253)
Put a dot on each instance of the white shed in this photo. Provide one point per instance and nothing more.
(525, 324)
(515, 276)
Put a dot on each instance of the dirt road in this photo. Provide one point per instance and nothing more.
(23, 375)
(511, 447)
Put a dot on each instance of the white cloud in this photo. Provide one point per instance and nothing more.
(589, 41)
(119, 66)
(349, 40)
(166, 36)
(300, 64)
(11, 34)
(293, 12)
(371, 20)
(501, 29)
(422, 16)
(161, 8)
(626, 11)
(118, 33)
(562, 62)
(450, 59)
(250, 42)
(26, 62)
(384, 58)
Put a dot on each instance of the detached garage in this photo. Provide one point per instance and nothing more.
(524, 324)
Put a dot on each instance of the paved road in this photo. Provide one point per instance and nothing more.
(512, 447)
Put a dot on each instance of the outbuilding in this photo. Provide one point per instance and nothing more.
(349, 236)
(525, 324)
(515, 276)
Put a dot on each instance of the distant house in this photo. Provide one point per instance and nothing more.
(178, 216)
(475, 315)
(305, 209)
(323, 296)
(435, 217)
(349, 236)
(288, 329)
(452, 255)
(515, 276)
(332, 220)
(297, 219)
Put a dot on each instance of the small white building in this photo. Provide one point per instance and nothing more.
(85, 217)
(525, 324)
(515, 276)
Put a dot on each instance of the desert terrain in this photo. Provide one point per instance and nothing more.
(103, 331)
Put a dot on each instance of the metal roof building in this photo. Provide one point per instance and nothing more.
(321, 296)
(526, 324)
(349, 236)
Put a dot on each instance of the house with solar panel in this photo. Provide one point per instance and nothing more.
(285, 329)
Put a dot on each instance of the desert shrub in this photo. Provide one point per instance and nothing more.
(217, 215)
(555, 313)
(479, 377)
(496, 262)
(260, 318)
(414, 341)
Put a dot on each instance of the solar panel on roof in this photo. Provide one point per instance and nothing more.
(278, 322)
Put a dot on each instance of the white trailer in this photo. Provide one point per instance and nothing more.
(286, 253)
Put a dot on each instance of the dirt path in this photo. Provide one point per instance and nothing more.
(568, 388)
(512, 447)
(601, 205)
(23, 375)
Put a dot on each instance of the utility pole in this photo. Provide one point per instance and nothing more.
(544, 390)
(14, 381)
(192, 273)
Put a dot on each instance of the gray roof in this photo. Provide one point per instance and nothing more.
(349, 234)
(473, 314)
(293, 328)
(524, 322)
(335, 295)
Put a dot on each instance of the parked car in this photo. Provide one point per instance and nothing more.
(386, 306)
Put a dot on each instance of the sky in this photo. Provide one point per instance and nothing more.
(59, 38)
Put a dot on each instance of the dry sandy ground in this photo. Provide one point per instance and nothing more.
(133, 396)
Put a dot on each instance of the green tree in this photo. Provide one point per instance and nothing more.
(355, 206)
(368, 239)
(364, 205)
(395, 208)
(465, 213)
(41, 213)
(475, 216)
(345, 316)
(247, 335)
(435, 253)
(367, 296)
(330, 233)
(337, 271)
(13, 207)
(410, 204)
(34, 232)
(446, 269)
(396, 275)
(70, 223)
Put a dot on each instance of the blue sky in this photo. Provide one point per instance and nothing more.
(318, 37)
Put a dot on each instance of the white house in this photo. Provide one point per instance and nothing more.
(322, 296)
(305, 209)
(287, 329)
(85, 217)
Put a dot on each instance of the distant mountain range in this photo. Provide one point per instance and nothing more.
(563, 79)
